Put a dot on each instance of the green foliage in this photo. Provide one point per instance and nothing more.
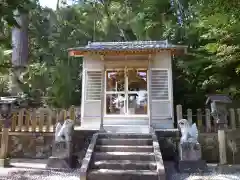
(210, 29)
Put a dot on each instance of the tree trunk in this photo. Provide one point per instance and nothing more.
(20, 51)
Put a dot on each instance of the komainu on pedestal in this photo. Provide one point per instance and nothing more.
(190, 156)
(62, 156)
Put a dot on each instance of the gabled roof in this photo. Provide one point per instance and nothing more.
(130, 46)
(221, 98)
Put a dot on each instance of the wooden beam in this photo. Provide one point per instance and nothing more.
(80, 53)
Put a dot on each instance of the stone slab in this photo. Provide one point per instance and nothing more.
(124, 141)
(192, 166)
(109, 174)
(190, 151)
(5, 162)
(62, 163)
(58, 163)
(167, 133)
(120, 148)
(125, 165)
(62, 149)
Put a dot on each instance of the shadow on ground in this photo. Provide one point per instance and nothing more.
(70, 174)
(228, 174)
(41, 174)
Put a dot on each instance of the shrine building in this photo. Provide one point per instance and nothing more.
(127, 84)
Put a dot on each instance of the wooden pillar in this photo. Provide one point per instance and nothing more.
(150, 91)
(102, 96)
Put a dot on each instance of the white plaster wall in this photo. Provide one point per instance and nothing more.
(91, 110)
(93, 62)
(162, 111)
(162, 60)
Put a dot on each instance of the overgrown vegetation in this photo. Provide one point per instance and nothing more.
(209, 28)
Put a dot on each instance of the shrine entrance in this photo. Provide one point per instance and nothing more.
(126, 92)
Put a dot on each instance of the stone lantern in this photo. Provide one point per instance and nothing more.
(218, 103)
(7, 106)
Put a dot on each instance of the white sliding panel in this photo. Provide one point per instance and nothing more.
(93, 85)
(92, 101)
(160, 91)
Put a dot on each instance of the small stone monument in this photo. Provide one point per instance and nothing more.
(190, 149)
(62, 147)
(219, 112)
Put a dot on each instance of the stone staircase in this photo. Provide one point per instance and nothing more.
(125, 157)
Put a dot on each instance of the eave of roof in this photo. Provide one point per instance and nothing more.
(129, 47)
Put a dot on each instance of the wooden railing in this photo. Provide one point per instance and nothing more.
(37, 120)
(204, 120)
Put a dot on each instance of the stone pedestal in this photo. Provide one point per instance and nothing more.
(62, 156)
(190, 158)
(5, 162)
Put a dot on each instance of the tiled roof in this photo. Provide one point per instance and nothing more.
(218, 98)
(129, 45)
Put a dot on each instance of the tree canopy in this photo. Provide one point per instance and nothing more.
(210, 28)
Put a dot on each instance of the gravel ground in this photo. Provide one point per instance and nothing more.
(22, 171)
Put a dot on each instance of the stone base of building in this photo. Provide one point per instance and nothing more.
(196, 166)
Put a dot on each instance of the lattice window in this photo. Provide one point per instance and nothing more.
(159, 85)
(93, 85)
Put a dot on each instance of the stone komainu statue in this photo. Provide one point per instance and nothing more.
(189, 132)
(189, 147)
(190, 155)
(63, 132)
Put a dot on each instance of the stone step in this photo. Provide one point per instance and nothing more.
(106, 148)
(120, 141)
(137, 156)
(125, 135)
(107, 174)
(125, 165)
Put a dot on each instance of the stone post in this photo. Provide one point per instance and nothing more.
(189, 116)
(222, 146)
(199, 120)
(232, 118)
(208, 120)
(219, 111)
(4, 160)
(221, 122)
(238, 113)
(179, 112)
